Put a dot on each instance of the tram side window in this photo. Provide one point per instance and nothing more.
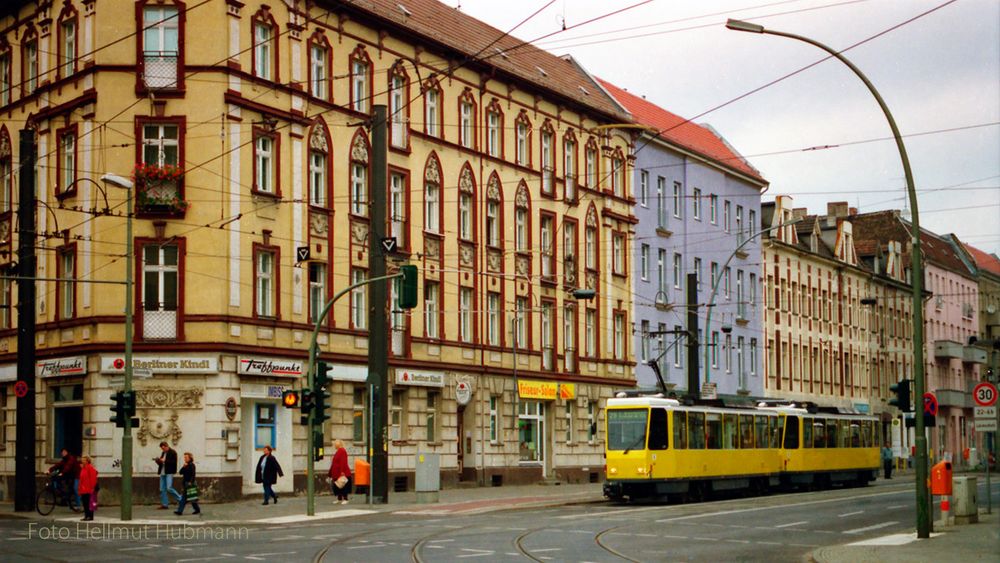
(819, 429)
(680, 430)
(855, 435)
(713, 431)
(696, 430)
(866, 434)
(658, 431)
(791, 433)
(843, 434)
(731, 432)
(831, 433)
(746, 431)
(807, 433)
(775, 430)
(762, 441)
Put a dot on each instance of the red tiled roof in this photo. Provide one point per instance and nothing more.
(984, 261)
(464, 34)
(677, 130)
(882, 226)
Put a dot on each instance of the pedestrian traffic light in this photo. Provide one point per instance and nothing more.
(323, 377)
(317, 443)
(902, 399)
(408, 287)
(290, 398)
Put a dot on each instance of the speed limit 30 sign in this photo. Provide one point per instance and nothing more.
(985, 394)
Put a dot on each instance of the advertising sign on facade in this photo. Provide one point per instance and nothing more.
(269, 366)
(463, 393)
(162, 364)
(421, 378)
(61, 367)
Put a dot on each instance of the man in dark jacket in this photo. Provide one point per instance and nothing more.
(167, 463)
(69, 474)
(268, 471)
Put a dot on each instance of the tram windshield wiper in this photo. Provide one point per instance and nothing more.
(641, 440)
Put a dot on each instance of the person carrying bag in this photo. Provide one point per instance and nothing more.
(340, 472)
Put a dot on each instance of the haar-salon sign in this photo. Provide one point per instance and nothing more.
(270, 366)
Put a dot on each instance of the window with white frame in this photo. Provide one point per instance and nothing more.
(739, 224)
(317, 290)
(161, 46)
(432, 205)
(266, 284)
(67, 161)
(263, 49)
(398, 221)
(30, 64)
(619, 336)
(569, 335)
(752, 223)
(696, 204)
(644, 339)
(677, 271)
(360, 78)
(570, 412)
(359, 185)
(726, 280)
(590, 247)
(67, 282)
(317, 177)
(465, 314)
(359, 300)
(740, 304)
(618, 253)
(520, 229)
(318, 80)
(713, 271)
(494, 419)
(678, 349)
(729, 353)
(398, 111)
(752, 299)
(465, 215)
(548, 252)
(432, 316)
(753, 355)
(493, 222)
(590, 157)
(493, 312)
(5, 78)
(644, 262)
(160, 290)
(67, 48)
(715, 349)
(548, 162)
(590, 332)
(726, 212)
(494, 132)
(713, 209)
(432, 111)
(569, 168)
(697, 272)
(466, 123)
(521, 322)
(523, 134)
(547, 331)
(618, 176)
(740, 368)
(398, 415)
(661, 270)
(264, 160)
(678, 199)
(644, 188)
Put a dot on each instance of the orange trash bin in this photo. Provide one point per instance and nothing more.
(362, 473)
(941, 479)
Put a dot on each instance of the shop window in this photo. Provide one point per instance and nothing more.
(265, 425)
(432, 422)
(398, 415)
(359, 415)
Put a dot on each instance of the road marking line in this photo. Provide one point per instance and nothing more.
(152, 546)
(475, 553)
(263, 556)
(440, 541)
(892, 506)
(779, 506)
(846, 514)
(674, 537)
(704, 539)
(435, 546)
(546, 549)
(870, 528)
(365, 546)
(287, 538)
(221, 556)
(803, 545)
(738, 541)
(768, 543)
(789, 525)
(895, 539)
(326, 536)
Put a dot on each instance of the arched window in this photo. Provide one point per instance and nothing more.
(547, 154)
(522, 219)
(467, 119)
(67, 47)
(319, 66)
(591, 242)
(361, 80)
(618, 186)
(432, 108)
(494, 212)
(522, 131)
(399, 103)
(569, 165)
(359, 174)
(466, 203)
(432, 195)
(319, 165)
(591, 164)
(494, 129)
(265, 45)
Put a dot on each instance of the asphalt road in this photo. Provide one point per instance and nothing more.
(774, 528)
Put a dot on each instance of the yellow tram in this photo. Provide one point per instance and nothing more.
(657, 447)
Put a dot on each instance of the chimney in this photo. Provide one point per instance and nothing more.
(837, 209)
(799, 213)
(853, 211)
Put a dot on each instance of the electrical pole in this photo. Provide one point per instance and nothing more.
(24, 447)
(378, 342)
(692, 339)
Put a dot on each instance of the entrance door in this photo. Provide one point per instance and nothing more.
(531, 433)
(67, 415)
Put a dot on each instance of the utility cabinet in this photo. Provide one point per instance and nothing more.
(966, 507)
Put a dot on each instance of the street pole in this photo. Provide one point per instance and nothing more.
(24, 447)
(378, 343)
(693, 392)
(922, 493)
(126, 507)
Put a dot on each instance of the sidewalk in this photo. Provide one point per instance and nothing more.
(291, 509)
(966, 543)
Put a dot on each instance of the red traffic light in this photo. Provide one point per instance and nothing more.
(290, 399)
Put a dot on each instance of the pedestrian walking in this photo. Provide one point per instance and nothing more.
(268, 471)
(189, 486)
(887, 461)
(69, 475)
(340, 472)
(88, 488)
(167, 463)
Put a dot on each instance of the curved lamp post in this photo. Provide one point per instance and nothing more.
(923, 496)
(715, 291)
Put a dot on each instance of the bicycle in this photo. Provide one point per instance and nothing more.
(54, 495)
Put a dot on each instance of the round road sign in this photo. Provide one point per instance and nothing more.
(930, 404)
(985, 394)
(21, 389)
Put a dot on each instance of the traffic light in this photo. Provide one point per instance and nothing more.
(323, 378)
(307, 403)
(902, 399)
(117, 408)
(408, 287)
(320, 405)
(290, 398)
(317, 443)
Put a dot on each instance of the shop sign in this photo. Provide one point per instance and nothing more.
(61, 367)
(8, 373)
(528, 389)
(567, 391)
(162, 364)
(463, 392)
(269, 366)
(421, 378)
(861, 408)
(344, 372)
(262, 391)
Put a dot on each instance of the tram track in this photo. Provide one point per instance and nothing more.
(519, 544)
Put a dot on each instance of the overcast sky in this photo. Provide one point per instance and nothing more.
(940, 71)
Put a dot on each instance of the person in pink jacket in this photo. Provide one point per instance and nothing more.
(340, 468)
(88, 486)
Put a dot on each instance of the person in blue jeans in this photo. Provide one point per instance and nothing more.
(268, 471)
(167, 463)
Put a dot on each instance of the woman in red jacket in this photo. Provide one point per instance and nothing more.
(88, 486)
(340, 471)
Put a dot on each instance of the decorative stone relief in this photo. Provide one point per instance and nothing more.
(359, 232)
(521, 265)
(591, 280)
(5, 231)
(432, 248)
(493, 188)
(168, 398)
(5, 151)
(317, 141)
(466, 255)
(359, 151)
(318, 224)
(569, 271)
(159, 430)
(465, 181)
(522, 197)
(431, 172)
(592, 218)
(494, 260)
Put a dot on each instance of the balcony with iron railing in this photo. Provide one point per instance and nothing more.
(160, 69)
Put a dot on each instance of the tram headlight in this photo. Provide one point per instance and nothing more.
(613, 471)
(640, 470)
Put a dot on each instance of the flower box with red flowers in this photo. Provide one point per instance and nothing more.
(157, 189)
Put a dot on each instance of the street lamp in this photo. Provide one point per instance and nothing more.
(128, 186)
(715, 291)
(923, 496)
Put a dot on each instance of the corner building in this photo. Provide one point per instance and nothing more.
(245, 127)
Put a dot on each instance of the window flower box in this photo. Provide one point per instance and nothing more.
(157, 189)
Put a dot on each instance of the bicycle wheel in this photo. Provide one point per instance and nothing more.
(71, 502)
(45, 502)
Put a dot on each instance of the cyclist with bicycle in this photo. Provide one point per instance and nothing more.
(67, 471)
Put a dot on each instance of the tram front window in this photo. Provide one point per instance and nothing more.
(627, 429)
